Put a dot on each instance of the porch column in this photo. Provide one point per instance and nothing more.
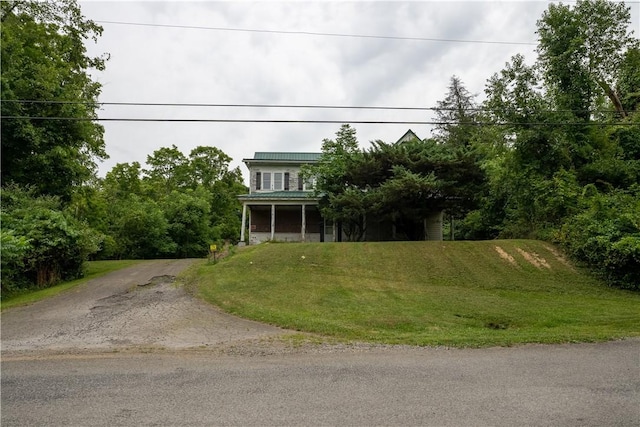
(273, 221)
(304, 223)
(244, 222)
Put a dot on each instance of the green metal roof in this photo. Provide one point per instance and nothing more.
(286, 156)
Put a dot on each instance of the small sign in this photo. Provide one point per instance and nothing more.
(213, 248)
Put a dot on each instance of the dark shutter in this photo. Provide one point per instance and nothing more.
(300, 182)
(258, 180)
(286, 181)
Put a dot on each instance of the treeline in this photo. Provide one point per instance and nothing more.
(552, 153)
(174, 209)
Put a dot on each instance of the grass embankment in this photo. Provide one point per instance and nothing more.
(93, 270)
(422, 293)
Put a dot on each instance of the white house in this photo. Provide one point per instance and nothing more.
(281, 206)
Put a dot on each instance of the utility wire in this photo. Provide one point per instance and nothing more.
(377, 122)
(293, 106)
(312, 33)
(162, 104)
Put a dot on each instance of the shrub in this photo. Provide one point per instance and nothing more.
(45, 245)
(606, 236)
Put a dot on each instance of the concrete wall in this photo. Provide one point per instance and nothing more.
(256, 238)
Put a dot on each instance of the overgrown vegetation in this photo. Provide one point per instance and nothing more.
(498, 292)
(92, 270)
(553, 152)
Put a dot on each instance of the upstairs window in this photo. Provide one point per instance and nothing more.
(277, 181)
(300, 183)
(258, 180)
(266, 180)
(286, 181)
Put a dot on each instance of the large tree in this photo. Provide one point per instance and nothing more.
(456, 115)
(400, 182)
(582, 49)
(340, 201)
(49, 100)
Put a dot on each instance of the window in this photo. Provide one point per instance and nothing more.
(258, 180)
(286, 181)
(266, 180)
(277, 181)
(300, 182)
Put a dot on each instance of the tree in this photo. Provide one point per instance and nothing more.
(581, 52)
(188, 221)
(138, 229)
(45, 75)
(123, 179)
(338, 201)
(401, 182)
(207, 165)
(456, 115)
(168, 170)
(628, 84)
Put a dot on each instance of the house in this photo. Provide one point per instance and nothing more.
(281, 206)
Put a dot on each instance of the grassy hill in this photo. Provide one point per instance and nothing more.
(423, 293)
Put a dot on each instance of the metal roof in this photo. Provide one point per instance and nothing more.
(285, 156)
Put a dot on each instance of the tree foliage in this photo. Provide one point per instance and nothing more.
(574, 180)
(44, 243)
(401, 183)
(45, 74)
(176, 207)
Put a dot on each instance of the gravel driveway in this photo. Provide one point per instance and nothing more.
(137, 308)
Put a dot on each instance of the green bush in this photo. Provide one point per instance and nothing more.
(606, 236)
(44, 244)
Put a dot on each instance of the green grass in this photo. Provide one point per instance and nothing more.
(93, 269)
(421, 293)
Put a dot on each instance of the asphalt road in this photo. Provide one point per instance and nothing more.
(133, 348)
(559, 385)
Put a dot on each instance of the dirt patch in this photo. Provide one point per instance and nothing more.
(139, 308)
(534, 259)
(505, 256)
(558, 256)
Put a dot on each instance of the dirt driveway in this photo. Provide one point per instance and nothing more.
(137, 308)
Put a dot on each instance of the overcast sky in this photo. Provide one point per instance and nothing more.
(277, 65)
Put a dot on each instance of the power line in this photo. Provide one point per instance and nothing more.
(313, 33)
(174, 104)
(291, 106)
(376, 122)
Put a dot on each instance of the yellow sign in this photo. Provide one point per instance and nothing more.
(213, 248)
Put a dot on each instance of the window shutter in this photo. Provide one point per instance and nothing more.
(258, 180)
(300, 182)
(286, 181)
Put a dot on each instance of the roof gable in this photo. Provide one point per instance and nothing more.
(408, 136)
